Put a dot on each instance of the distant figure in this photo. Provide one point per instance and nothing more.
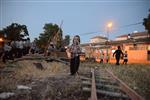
(118, 54)
(33, 47)
(50, 49)
(101, 56)
(17, 49)
(7, 52)
(20, 45)
(75, 51)
(107, 56)
(1, 50)
(27, 46)
(125, 58)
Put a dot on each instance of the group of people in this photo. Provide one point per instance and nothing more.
(104, 56)
(16, 49)
(118, 55)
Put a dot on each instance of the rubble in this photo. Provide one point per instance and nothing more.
(6, 95)
(20, 87)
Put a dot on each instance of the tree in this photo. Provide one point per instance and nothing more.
(146, 22)
(52, 33)
(15, 31)
(66, 41)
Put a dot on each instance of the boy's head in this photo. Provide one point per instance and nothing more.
(119, 47)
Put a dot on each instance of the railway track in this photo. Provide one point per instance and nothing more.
(102, 84)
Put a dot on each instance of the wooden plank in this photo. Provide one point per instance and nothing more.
(108, 93)
(112, 94)
(108, 86)
(93, 89)
(130, 92)
(88, 83)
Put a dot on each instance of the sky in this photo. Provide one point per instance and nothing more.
(79, 17)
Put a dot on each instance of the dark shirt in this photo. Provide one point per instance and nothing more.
(118, 53)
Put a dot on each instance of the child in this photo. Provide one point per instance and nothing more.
(125, 57)
(118, 53)
(101, 56)
(75, 51)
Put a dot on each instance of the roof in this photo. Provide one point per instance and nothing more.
(101, 37)
(134, 34)
(143, 40)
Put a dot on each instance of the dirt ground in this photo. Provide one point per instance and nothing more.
(53, 82)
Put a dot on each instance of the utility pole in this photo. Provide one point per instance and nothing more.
(109, 26)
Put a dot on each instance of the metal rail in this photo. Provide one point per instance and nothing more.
(109, 85)
(130, 92)
(93, 89)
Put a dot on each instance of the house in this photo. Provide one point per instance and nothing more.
(134, 35)
(98, 39)
(137, 47)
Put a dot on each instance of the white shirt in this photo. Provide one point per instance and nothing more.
(7, 47)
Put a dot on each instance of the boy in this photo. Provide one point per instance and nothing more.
(118, 54)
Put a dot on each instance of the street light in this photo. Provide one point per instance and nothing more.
(109, 26)
(1, 39)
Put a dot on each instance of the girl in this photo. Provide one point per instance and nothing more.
(75, 51)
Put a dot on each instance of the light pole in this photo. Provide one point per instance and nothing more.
(109, 26)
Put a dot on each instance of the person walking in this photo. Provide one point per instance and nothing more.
(125, 58)
(20, 44)
(101, 56)
(75, 51)
(118, 53)
(7, 54)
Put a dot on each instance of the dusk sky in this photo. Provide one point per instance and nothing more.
(79, 16)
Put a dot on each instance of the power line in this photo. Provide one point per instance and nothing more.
(131, 24)
(90, 33)
(124, 26)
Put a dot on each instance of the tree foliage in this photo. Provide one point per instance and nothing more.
(52, 33)
(66, 41)
(15, 31)
(146, 22)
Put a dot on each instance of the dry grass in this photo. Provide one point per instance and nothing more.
(25, 71)
(29, 69)
(136, 76)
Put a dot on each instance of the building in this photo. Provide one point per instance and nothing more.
(98, 39)
(134, 35)
(137, 47)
